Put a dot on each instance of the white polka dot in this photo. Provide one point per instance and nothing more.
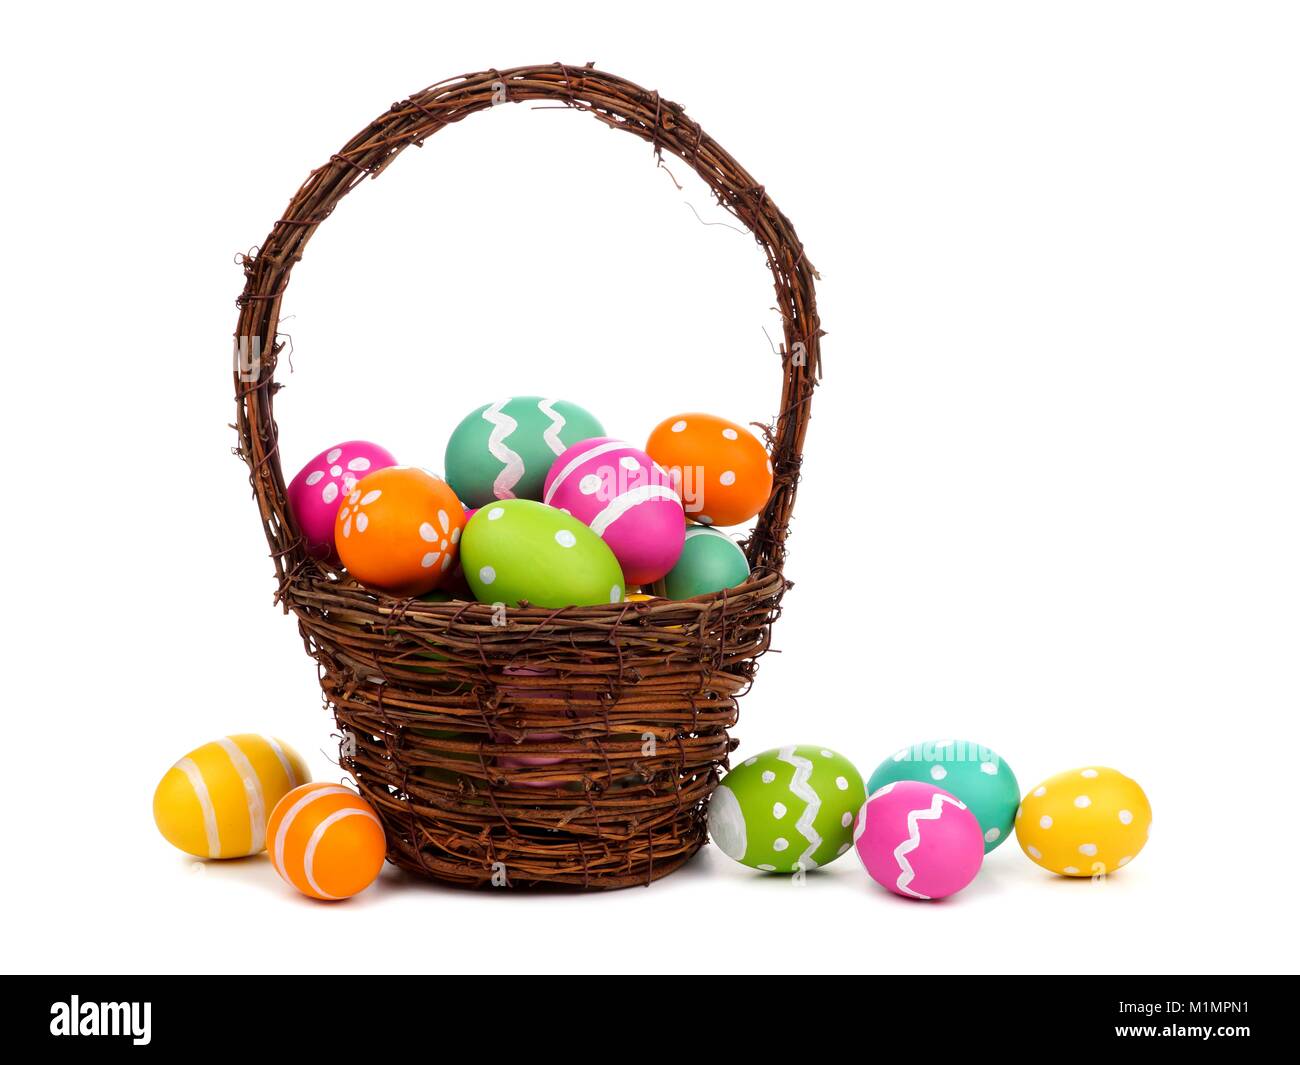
(334, 454)
(846, 820)
(1126, 817)
(495, 513)
(768, 776)
(590, 484)
(730, 434)
(565, 538)
(330, 493)
(370, 497)
(359, 464)
(679, 426)
(780, 844)
(1039, 792)
(362, 522)
(314, 477)
(992, 835)
(1082, 802)
(938, 772)
(1089, 773)
(703, 519)
(616, 594)
(827, 754)
(1071, 870)
(778, 810)
(842, 784)
(487, 574)
(1034, 853)
(1126, 859)
(1044, 822)
(336, 471)
(843, 848)
(728, 478)
(629, 463)
(1090, 849)
(766, 868)
(989, 768)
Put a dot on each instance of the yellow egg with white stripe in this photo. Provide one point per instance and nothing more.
(215, 802)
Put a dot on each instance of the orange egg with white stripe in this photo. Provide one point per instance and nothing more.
(214, 802)
(326, 841)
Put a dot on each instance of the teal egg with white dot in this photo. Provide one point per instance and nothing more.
(975, 774)
(518, 550)
(504, 450)
(787, 809)
(710, 561)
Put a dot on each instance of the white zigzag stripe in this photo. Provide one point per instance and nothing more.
(799, 786)
(512, 464)
(906, 873)
(620, 505)
(552, 435)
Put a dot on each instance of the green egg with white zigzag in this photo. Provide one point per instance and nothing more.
(503, 450)
(787, 809)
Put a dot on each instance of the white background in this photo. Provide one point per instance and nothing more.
(1049, 500)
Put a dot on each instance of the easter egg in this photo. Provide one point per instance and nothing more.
(503, 450)
(326, 841)
(315, 494)
(721, 469)
(710, 561)
(626, 499)
(398, 530)
(1084, 822)
(787, 809)
(214, 802)
(918, 841)
(974, 774)
(519, 550)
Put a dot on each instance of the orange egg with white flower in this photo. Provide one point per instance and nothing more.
(399, 529)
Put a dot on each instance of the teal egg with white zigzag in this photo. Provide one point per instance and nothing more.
(503, 450)
(787, 809)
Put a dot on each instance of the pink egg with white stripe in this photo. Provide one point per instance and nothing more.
(918, 841)
(321, 486)
(627, 499)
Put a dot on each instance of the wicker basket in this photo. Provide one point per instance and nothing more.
(547, 747)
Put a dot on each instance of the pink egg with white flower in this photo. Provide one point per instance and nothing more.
(627, 499)
(321, 486)
(918, 841)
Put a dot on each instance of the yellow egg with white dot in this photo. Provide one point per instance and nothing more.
(215, 802)
(1084, 822)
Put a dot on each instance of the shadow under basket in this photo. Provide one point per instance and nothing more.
(529, 747)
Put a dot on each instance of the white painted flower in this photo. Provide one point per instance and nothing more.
(337, 475)
(442, 537)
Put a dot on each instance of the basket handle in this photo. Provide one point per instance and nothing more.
(616, 102)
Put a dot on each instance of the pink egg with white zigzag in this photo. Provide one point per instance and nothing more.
(918, 841)
(627, 499)
(321, 486)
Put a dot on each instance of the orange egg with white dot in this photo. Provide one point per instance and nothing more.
(721, 470)
(399, 529)
(326, 841)
(1084, 822)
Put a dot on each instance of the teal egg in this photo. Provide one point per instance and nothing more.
(504, 450)
(974, 774)
(787, 809)
(710, 561)
(517, 550)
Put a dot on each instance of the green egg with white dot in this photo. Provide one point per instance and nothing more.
(787, 809)
(711, 561)
(518, 550)
(975, 774)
